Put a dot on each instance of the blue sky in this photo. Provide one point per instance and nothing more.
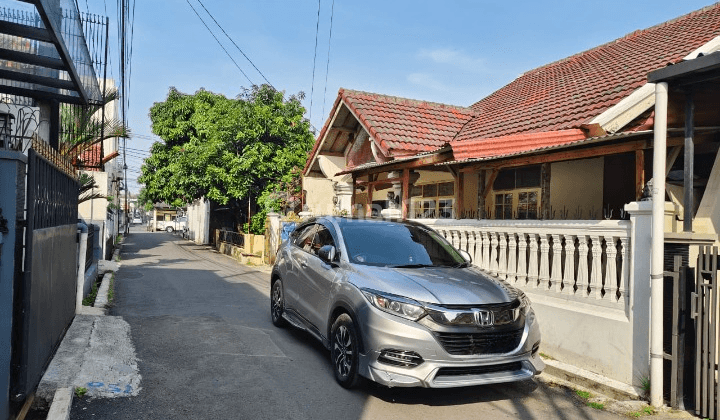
(454, 52)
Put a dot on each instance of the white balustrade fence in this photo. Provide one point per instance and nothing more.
(579, 260)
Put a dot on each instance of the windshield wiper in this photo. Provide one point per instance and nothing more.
(412, 266)
(458, 265)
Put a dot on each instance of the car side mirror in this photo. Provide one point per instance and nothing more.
(465, 255)
(327, 253)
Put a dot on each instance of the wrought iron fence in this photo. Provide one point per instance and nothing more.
(86, 125)
(230, 237)
(18, 124)
(77, 32)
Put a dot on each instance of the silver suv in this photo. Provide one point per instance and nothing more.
(394, 302)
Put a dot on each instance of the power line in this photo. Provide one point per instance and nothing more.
(233, 42)
(327, 66)
(139, 151)
(312, 85)
(132, 36)
(218, 41)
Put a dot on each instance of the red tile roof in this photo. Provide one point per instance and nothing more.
(406, 126)
(542, 108)
(400, 126)
(89, 158)
(470, 149)
(571, 92)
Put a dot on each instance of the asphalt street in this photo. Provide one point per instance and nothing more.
(206, 349)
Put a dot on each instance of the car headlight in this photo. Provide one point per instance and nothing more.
(396, 305)
(524, 308)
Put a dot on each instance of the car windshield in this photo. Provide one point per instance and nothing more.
(397, 245)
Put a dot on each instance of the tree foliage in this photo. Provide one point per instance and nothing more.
(225, 149)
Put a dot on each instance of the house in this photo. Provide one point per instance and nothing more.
(101, 162)
(543, 182)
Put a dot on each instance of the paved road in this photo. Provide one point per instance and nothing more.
(206, 349)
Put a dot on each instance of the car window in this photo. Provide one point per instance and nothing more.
(305, 237)
(397, 244)
(322, 237)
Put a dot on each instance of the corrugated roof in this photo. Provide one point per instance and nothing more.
(571, 92)
(548, 146)
(469, 149)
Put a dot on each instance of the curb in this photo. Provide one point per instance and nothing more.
(592, 381)
(62, 402)
(101, 301)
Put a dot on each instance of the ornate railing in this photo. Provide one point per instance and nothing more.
(578, 260)
(230, 237)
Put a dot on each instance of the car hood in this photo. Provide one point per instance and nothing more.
(438, 285)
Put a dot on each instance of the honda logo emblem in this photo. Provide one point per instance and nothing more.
(484, 318)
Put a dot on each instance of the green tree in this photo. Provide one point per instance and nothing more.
(227, 150)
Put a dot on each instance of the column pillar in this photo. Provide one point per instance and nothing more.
(12, 202)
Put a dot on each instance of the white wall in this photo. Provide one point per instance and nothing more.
(96, 209)
(577, 183)
(198, 214)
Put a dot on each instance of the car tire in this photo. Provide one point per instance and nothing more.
(277, 304)
(344, 351)
(169, 229)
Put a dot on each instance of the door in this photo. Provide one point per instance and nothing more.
(295, 264)
(317, 279)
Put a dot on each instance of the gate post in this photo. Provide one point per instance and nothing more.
(274, 235)
(639, 287)
(12, 206)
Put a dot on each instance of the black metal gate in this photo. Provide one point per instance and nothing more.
(44, 301)
(704, 311)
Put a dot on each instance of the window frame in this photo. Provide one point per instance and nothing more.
(418, 209)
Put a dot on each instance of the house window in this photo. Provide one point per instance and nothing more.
(517, 193)
(433, 201)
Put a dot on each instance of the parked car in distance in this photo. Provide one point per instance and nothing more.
(170, 226)
(137, 220)
(181, 223)
(396, 303)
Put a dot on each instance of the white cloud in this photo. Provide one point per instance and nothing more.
(427, 81)
(453, 57)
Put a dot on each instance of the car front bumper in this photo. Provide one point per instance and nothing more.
(440, 369)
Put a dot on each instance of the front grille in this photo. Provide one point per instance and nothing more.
(480, 342)
(479, 370)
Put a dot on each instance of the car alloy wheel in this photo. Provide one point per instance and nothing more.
(344, 351)
(277, 304)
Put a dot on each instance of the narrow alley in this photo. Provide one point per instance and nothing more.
(206, 349)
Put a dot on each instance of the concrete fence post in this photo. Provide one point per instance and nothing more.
(639, 284)
(274, 236)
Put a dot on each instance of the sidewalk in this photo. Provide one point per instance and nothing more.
(97, 357)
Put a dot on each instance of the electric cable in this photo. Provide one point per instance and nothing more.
(327, 66)
(218, 41)
(233, 42)
(312, 85)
